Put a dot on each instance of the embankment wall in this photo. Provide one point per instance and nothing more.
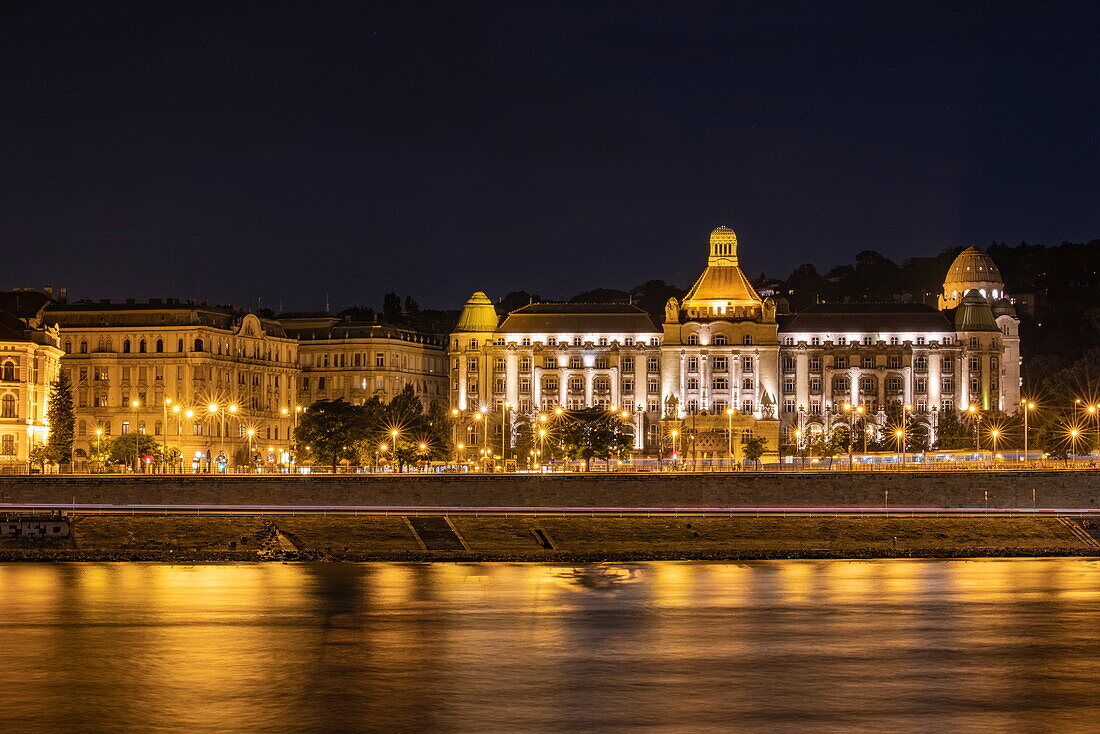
(948, 489)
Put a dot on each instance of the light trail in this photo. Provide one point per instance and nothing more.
(837, 511)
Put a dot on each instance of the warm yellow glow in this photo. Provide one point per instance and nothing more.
(729, 411)
(972, 409)
(213, 407)
(176, 408)
(394, 434)
(168, 401)
(542, 433)
(423, 446)
(542, 417)
(251, 432)
(383, 446)
(461, 446)
(847, 406)
(454, 411)
(232, 408)
(190, 414)
(135, 404)
(558, 410)
(626, 414)
(477, 416)
(899, 433)
(860, 410)
(284, 411)
(908, 406)
(99, 431)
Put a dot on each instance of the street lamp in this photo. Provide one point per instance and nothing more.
(847, 407)
(860, 410)
(164, 436)
(99, 444)
(729, 435)
(899, 434)
(1028, 407)
(251, 432)
(503, 432)
(135, 405)
(1094, 411)
(994, 434)
(977, 416)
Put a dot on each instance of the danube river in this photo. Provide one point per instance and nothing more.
(941, 646)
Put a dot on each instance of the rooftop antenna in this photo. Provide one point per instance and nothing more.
(326, 303)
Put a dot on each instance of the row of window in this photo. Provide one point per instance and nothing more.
(719, 340)
(363, 359)
(198, 428)
(500, 364)
(553, 341)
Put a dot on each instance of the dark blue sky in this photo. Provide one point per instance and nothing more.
(235, 151)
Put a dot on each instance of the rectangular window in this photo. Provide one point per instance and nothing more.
(788, 386)
(815, 385)
(653, 386)
(788, 406)
(840, 363)
(379, 359)
(893, 362)
(652, 364)
(627, 364)
(815, 364)
(868, 341)
(627, 385)
(747, 364)
(720, 364)
(815, 408)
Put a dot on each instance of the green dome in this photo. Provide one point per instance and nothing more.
(478, 315)
(974, 314)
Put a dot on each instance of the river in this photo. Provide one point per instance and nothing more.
(829, 646)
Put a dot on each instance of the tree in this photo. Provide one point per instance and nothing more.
(594, 433)
(754, 448)
(333, 430)
(131, 447)
(391, 308)
(62, 421)
(40, 455)
(827, 445)
(411, 306)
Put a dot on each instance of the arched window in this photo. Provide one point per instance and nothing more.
(157, 428)
(179, 345)
(198, 345)
(7, 407)
(83, 347)
(110, 346)
(125, 346)
(141, 346)
(160, 346)
(68, 347)
(82, 428)
(746, 339)
(8, 373)
(720, 340)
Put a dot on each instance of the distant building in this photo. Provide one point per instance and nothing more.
(194, 376)
(725, 358)
(30, 358)
(360, 360)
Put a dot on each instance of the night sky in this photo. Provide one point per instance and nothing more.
(234, 151)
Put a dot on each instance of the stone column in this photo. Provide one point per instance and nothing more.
(511, 377)
(589, 373)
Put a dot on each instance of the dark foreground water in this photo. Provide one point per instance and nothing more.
(931, 646)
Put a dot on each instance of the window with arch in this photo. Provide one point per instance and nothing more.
(7, 374)
(82, 428)
(160, 346)
(198, 345)
(550, 383)
(179, 345)
(867, 384)
(83, 347)
(576, 384)
(893, 384)
(7, 407)
(142, 347)
(601, 384)
(125, 346)
(747, 340)
(68, 347)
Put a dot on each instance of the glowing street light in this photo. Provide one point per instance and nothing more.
(1028, 407)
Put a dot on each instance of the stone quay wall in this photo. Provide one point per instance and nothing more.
(947, 489)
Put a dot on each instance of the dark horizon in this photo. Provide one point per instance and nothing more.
(260, 151)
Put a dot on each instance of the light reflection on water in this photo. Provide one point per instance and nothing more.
(955, 646)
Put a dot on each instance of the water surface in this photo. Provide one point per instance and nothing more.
(833, 646)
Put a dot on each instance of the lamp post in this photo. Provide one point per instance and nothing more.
(899, 434)
(1028, 407)
(99, 444)
(504, 432)
(907, 410)
(729, 435)
(135, 405)
(190, 415)
(232, 411)
(394, 434)
(477, 417)
(164, 436)
(848, 412)
(994, 434)
(798, 445)
(176, 409)
(1073, 434)
(1094, 411)
(675, 453)
(542, 441)
(454, 434)
(862, 425)
(977, 416)
(251, 432)
(212, 409)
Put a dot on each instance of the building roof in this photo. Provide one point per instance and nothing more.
(154, 313)
(578, 318)
(25, 304)
(343, 330)
(478, 314)
(866, 318)
(974, 314)
(973, 266)
(722, 281)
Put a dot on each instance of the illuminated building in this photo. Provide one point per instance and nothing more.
(724, 358)
(359, 360)
(132, 364)
(30, 357)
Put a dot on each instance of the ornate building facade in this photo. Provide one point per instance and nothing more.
(30, 358)
(356, 361)
(726, 365)
(196, 377)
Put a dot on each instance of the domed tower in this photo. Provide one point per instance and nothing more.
(972, 270)
(468, 354)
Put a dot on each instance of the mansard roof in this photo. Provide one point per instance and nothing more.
(343, 330)
(839, 318)
(154, 313)
(578, 318)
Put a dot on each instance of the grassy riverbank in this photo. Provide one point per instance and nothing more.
(314, 537)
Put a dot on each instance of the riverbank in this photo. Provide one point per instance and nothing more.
(214, 539)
